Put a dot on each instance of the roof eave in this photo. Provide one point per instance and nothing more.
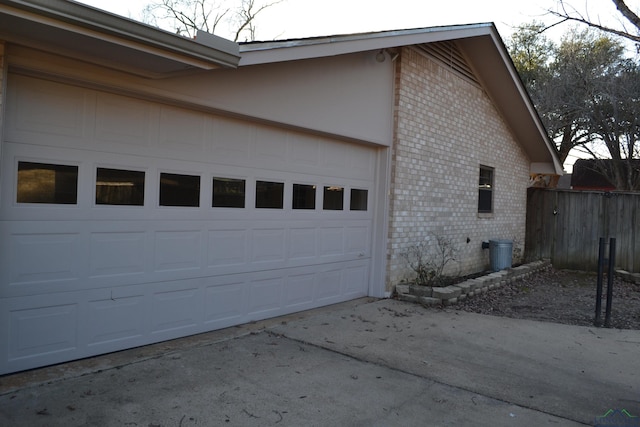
(36, 22)
(254, 53)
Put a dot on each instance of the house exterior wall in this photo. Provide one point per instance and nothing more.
(445, 128)
(348, 96)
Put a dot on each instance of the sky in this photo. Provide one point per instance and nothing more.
(308, 18)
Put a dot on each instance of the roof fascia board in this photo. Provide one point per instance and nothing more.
(292, 50)
(209, 52)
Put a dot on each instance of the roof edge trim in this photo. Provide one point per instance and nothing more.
(207, 48)
(254, 53)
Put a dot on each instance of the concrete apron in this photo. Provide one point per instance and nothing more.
(360, 363)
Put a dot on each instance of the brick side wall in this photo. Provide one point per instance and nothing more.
(446, 127)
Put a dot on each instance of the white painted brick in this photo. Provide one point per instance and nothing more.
(446, 127)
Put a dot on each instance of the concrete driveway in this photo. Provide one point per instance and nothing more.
(363, 363)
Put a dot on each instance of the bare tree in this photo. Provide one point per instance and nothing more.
(566, 12)
(588, 96)
(235, 19)
(554, 78)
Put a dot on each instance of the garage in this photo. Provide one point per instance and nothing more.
(126, 221)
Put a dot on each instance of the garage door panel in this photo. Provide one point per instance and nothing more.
(173, 124)
(46, 113)
(357, 240)
(299, 290)
(91, 277)
(176, 310)
(328, 285)
(333, 156)
(224, 301)
(117, 253)
(361, 161)
(303, 243)
(270, 148)
(43, 257)
(122, 121)
(265, 297)
(331, 241)
(231, 141)
(268, 245)
(227, 247)
(178, 250)
(39, 331)
(304, 150)
(115, 319)
(356, 278)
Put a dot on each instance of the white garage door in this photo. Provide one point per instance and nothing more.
(125, 222)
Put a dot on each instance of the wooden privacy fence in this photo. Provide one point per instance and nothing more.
(565, 226)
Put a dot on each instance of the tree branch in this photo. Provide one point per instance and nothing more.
(576, 16)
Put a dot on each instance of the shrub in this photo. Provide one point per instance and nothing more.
(428, 260)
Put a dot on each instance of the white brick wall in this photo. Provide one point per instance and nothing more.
(446, 127)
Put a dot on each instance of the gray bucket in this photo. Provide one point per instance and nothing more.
(500, 251)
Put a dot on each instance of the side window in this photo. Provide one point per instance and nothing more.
(47, 183)
(269, 195)
(485, 190)
(228, 193)
(119, 187)
(333, 198)
(179, 190)
(358, 200)
(304, 196)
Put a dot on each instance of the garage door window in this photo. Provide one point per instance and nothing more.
(269, 195)
(333, 199)
(179, 190)
(47, 183)
(228, 193)
(358, 200)
(119, 187)
(304, 196)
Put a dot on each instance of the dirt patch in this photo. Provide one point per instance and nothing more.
(559, 296)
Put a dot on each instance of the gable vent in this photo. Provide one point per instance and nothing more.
(448, 54)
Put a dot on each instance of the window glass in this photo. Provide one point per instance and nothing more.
(47, 183)
(119, 187)
(333, 198)
(228, 193)
(269, 195)
(485, 190)
(304, 196)
(179, 190)
(358, 199)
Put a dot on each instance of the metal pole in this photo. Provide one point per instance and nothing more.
(610, 274)
(598, 320)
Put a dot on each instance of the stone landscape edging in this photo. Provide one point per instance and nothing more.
(448, 295)
(628, 277)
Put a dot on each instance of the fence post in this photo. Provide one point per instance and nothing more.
(610, 274)
(598, 320)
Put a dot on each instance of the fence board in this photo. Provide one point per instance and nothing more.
(565, 226)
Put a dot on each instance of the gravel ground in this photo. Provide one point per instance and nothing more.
(559, 296)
